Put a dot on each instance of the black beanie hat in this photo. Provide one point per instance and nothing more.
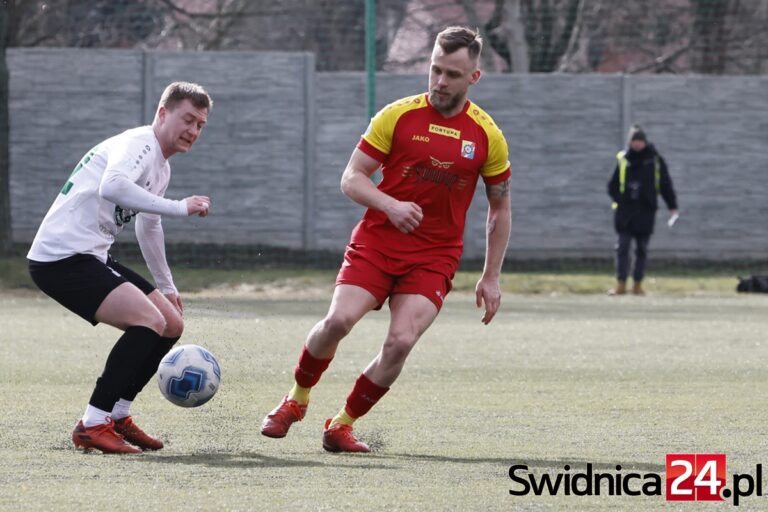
(636, 133)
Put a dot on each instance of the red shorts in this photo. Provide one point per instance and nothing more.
(383, 276)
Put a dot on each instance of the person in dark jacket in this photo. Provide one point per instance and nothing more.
(640, 176)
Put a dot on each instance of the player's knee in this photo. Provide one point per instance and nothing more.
(174, 327)
(337, 325)
(157, 323)
(398, 346)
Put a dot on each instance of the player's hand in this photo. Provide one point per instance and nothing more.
(198, 205)
(405, 216)
(175, 299)
(488, 293)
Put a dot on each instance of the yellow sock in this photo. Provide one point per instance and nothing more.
(343, 418)
(300, 394)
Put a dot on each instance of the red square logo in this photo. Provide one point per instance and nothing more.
(695, 476)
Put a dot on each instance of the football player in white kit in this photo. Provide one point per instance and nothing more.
(123, 178)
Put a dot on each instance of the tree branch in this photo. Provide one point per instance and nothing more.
(217, 15)
(474, 22)
(662, 62)
(570, 35)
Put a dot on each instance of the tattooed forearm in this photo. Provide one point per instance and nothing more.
(498, 191)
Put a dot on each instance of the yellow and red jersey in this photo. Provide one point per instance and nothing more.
(434, 162)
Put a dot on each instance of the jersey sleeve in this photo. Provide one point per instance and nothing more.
(376, 142)
(149, 234)
(497, 167)
(127, 162)
(129, 157)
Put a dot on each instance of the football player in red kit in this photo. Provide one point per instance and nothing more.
(432, 148)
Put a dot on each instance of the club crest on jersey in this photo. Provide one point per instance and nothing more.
(468, 149)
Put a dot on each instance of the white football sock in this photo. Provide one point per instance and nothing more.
(94, 416)
(122, 409)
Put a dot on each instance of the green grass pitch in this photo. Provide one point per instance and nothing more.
(555, 379)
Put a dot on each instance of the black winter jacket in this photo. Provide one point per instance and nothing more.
(636, 211)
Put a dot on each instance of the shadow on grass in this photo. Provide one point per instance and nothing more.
(376, 460)
(531, 463)
(255, 460)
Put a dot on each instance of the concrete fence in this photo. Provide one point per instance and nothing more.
(280, 134)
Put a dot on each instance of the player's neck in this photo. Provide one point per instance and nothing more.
(167, 152)
(458, 109)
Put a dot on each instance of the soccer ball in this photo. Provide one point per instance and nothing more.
(189, 376)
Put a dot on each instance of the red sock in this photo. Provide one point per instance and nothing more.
(309, 370)
(363, 396)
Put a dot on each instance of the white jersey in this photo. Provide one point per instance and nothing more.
(122, 176)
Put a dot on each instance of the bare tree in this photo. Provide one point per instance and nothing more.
(513, 31)
(389, 18)
(642, 36)
(529, 35)
(709, 35)
(549, 25)
(729, 36)
(504, 32)
(702, 36)
(474, 21)
(214, 25)
(579, 42)
(705, 36)
(759, 63)
(81, 23)
(24, 23)
(333, 29)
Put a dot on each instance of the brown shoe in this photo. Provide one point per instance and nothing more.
(637, 289)
(134, 435)
(620, 289)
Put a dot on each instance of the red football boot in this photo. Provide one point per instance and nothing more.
(339, 438)
(101, 437)
(134, 435)
(277, 423)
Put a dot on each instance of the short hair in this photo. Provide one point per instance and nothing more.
(455, 38)
(177, 92)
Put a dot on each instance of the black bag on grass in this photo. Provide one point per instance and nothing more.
(753, 284)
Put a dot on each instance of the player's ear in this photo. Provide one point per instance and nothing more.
(161, 112)
(475, 77)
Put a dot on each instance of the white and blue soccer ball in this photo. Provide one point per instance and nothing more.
(189, 375)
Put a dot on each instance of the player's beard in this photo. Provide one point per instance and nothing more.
(444, 105)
